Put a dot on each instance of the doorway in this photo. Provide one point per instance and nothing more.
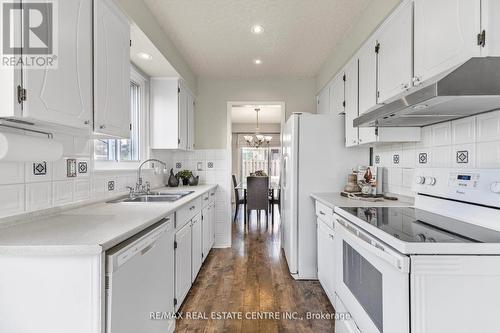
(254, 141)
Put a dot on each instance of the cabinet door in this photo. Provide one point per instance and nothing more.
(445, 35)
(367, 76)
(111, 70)
(351, 102)
(182, 263)
(191, 122)
(337, 96)
(183, 117)
(63, 95)
(206, 230)
(212, 223)
(197, 249)
(324, 101)
(323, 257)
(395, 62)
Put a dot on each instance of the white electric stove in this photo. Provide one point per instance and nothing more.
(431, 268)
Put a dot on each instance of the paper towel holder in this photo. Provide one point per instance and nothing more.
(49, 135)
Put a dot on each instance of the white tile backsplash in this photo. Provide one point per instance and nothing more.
(11, 173)
(12, 199)
(38, 196)
(476, 140)
(63, 192)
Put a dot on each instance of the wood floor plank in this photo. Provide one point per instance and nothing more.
(251, 279)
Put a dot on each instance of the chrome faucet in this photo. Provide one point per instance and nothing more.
(139, 187)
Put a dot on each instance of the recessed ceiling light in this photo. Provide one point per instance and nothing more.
(257, 29)
(144, 55)
(257, 61)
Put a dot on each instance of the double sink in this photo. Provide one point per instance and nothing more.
(155, 196)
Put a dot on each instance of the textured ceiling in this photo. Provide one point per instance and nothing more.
(214, 35)
(245, 114)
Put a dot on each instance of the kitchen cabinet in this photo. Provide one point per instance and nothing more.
(326, 267)
(323, 101)
(367, 62)
(208, 228)
(172, 114)
(197, 246)
(445, 35)
(351, 102)
(337, 97)
(183, 258)
(60, 96)
(394, 51)
(111, 70)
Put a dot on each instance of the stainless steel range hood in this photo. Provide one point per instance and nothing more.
(472, 88)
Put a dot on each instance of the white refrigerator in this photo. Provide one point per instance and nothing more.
(314, 160)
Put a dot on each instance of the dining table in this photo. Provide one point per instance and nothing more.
(272, 191)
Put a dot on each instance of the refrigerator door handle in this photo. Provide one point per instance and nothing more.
(283, 173)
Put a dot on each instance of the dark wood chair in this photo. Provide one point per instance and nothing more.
(274, 199)
(239, 198)
(257, 195)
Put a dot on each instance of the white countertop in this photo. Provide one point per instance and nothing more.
(89, 229)
(334, 199)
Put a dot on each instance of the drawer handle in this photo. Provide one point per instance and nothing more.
(322, 213)
(206, 199)
(192, 207)
(212, 194)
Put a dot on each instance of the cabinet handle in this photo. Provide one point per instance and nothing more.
(205, 199)
(192, 207)
(330, 235)
(102, 127)
(212, 194)
(86, 122)
(321, 213)
(416, 80)
(404, 86)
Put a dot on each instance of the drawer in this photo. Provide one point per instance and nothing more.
(205, 199)
(324, 212)
(327, 222)
(186, 212)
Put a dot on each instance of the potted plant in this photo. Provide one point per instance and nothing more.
(184, 175)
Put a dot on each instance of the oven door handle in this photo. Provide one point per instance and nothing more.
(400, 262)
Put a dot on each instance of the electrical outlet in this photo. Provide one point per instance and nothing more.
(70, 167)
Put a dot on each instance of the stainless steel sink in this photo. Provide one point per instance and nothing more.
(157, 196)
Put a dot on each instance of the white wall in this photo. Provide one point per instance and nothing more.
(214, 93)
(370, 19)
(478, 137)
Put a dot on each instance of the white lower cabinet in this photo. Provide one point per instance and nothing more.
(183, 257)
(197, 249)
(326, 267)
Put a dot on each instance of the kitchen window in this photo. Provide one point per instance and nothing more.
(125, 151)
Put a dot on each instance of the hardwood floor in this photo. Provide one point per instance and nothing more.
(249, 279)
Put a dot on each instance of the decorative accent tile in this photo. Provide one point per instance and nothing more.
(70, 168)
(377, 159)
(40, 168)
(178, 165)
(111, 185)
(422, 158)
(82, 167)
(462, 156)
(395, 159)
(210, 165)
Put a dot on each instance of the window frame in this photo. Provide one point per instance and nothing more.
(143, 82)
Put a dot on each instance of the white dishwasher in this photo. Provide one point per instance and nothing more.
(140, 282)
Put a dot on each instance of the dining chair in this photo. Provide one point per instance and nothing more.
(257, 195)
(274, 199)
(239, 199)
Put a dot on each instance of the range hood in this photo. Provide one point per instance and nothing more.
(472, 88)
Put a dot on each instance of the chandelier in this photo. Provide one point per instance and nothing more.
(257, 140)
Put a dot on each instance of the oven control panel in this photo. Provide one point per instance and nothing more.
(463, 180)
(481, 186)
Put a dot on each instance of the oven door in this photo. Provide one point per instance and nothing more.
(372, 280)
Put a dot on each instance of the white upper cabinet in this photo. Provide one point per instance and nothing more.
(395, 54)
(61, 95)
(111, 70)
(337, 97)
(323, 101)
(445, 35)
(172, 114)
(367, 58)
(351, 102)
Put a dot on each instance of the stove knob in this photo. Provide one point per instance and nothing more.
(420, 180)
(430, 180)
(495, 187)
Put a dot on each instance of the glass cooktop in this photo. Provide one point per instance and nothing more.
(420, 226)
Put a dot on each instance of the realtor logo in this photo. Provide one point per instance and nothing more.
(29, 34)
